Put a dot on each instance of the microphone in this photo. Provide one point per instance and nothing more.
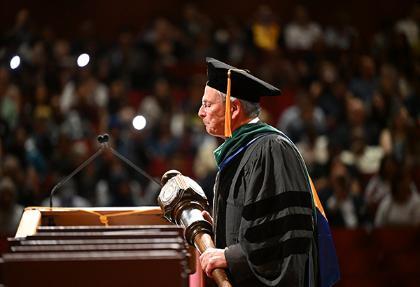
(103, 140)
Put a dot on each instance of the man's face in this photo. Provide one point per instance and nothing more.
(212, 112)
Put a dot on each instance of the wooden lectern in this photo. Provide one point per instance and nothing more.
(98, 247)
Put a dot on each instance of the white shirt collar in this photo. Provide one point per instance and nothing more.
(254, 120)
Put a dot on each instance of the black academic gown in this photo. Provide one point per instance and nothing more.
(263, 214)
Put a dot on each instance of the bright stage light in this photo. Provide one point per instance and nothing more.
(14, 62)
(83, 60)
(139, 122)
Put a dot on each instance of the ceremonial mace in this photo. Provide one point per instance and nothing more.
(182, 200)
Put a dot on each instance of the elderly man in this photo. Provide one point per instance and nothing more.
(264, 213)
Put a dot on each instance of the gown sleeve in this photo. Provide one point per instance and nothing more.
(276, 234)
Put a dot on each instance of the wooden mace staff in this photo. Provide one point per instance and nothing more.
(182, 200)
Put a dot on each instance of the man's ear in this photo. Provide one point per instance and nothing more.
(235, 108)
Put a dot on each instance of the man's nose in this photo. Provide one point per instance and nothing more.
(201, 113)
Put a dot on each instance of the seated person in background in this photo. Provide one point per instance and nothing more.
(379, 186)
(10, 211)
(341, 196)
(402, 206)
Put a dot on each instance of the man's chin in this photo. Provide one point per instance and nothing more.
(214, 133)
(210, 132)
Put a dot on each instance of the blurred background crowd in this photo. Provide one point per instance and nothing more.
(352, 107)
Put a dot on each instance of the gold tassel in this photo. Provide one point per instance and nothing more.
(228, 130)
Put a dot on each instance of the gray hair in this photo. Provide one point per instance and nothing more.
(251, 109)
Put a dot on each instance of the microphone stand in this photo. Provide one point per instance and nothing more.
(103, 140)
(79, 168)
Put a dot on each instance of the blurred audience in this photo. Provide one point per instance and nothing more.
(351, 106)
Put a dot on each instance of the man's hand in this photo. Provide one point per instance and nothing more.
(213, 258)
